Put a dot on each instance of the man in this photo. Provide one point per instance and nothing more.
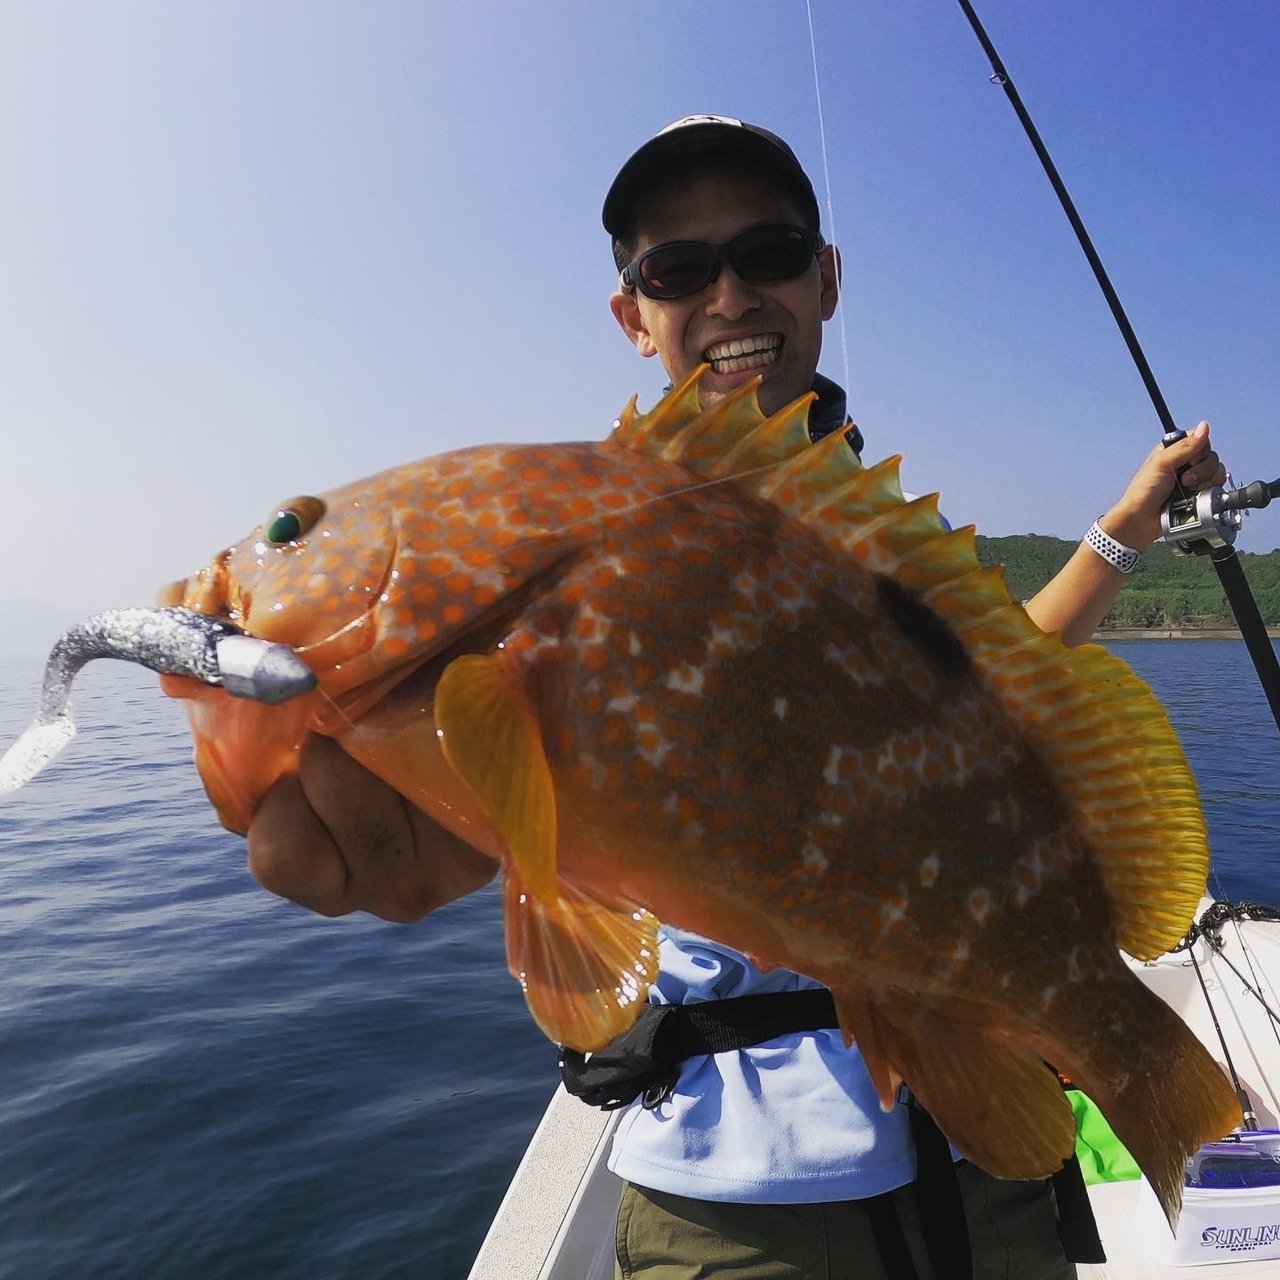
(774, 1160)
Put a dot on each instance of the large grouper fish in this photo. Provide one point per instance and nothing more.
(709, 673)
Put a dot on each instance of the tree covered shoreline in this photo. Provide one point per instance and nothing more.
(1166, 592)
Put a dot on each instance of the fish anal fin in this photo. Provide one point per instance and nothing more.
(490, 737)
(998, 1104)
(585, 966)
(861, 1023)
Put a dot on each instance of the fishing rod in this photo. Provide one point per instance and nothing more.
(1246, 1103)
(1204, 523)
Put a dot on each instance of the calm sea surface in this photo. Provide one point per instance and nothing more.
(199, 1080)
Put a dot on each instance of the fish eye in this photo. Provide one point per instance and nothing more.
(293, 519)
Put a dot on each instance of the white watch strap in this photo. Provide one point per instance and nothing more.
(1114, 553)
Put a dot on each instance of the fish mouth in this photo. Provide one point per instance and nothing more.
(749, 353)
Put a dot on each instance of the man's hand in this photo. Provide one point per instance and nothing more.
(1077, 598)
(337, 839)
(1135, 519)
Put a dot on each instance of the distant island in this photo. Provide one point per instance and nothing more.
(1165, 594)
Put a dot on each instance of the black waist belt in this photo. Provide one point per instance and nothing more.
(645, 1063)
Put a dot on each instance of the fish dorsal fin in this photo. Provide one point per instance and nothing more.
(490, 738)
(651, 432)
(1100, 728)
(585, 966)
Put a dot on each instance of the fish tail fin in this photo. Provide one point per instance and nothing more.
(1158, 1086)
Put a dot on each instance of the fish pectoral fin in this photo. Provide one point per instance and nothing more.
(491, 738)
(585, 965)
(998, 1104)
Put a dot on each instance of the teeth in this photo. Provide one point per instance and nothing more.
(741, 353)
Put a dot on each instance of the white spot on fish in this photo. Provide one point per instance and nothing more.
(893, 912)
(686, 679)
(980, 905)
(623, 704)
(278, 607)
(831, 770)
(929, 869)
(780, 708)
(633, 644)
(815, 861)
(960, 952)
(1047, 997)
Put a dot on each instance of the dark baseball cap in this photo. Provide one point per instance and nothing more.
(704, 135)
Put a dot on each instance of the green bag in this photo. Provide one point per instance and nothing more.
(1102, 1156)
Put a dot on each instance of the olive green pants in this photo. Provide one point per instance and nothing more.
(1013, 1230)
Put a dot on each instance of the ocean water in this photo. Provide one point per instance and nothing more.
(199, 1080)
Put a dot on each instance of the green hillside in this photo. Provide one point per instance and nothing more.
(1164, 591)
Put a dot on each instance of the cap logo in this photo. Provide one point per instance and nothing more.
(688, 120)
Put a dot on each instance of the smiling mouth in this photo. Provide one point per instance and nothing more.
(754, 352)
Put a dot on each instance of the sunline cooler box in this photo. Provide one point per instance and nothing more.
(1223, 1222)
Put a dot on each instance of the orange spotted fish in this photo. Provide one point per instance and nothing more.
(709, 673)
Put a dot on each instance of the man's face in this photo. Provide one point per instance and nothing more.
(780, 324)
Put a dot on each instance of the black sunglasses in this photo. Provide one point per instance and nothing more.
(760, 255)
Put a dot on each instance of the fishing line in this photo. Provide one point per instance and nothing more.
(1234, 914)
(831, 211)
(1223, 557)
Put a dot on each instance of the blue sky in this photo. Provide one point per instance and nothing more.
(251, 250)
